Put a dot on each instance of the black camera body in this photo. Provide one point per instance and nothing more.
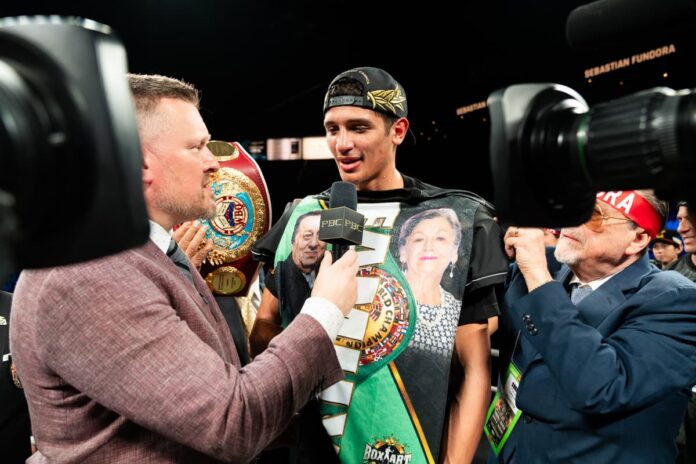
(70, 161)
(550, 152)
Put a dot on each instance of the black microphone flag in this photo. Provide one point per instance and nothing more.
(341, 225)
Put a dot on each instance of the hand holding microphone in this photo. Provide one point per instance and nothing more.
(337, 282)
(341, 226)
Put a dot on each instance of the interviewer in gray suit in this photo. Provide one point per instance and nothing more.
(124, 360)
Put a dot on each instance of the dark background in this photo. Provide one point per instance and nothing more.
(263, 68)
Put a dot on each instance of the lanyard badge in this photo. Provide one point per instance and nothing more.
(503, 413)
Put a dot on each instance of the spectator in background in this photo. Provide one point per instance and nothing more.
(686, 265)
(666, 248)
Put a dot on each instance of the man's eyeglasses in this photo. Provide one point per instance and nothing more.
(597, 220)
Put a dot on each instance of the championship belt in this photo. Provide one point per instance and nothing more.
(242, 215)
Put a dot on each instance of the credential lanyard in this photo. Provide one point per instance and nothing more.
(503, 414)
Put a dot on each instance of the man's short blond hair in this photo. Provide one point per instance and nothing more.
(149, 89)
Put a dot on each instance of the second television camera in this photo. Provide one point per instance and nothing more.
(550, 152)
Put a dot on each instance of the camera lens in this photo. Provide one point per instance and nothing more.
(550, 153)
(644, 140)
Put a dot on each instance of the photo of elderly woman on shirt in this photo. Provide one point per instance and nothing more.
(428, 249)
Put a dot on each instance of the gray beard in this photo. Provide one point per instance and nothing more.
(565, 256)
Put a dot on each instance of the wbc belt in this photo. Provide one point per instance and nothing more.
(242, 215)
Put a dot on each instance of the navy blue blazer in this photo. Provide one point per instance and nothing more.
(605, 381)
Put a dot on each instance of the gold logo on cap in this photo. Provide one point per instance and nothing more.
(387, 100)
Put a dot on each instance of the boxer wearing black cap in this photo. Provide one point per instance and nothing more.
(426, 291)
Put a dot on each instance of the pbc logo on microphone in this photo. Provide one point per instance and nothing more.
(340, 223)
(341, 226)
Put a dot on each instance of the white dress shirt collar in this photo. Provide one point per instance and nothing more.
(594, 285)
(160, 236)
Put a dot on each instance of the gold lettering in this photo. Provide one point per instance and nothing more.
(634, 59)
(472, 107)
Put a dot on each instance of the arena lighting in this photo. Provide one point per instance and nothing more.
(315, 148)
(284, 149)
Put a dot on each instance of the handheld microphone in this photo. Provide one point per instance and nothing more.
(590, 26)
(341, 225)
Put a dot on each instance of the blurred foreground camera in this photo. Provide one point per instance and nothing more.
(550, 152)
(70, 163)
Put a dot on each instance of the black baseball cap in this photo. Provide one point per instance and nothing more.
(371, 88)
(670, 237)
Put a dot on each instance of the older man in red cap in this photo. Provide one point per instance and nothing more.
(602, 350)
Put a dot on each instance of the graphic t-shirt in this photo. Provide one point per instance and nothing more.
(428, 260)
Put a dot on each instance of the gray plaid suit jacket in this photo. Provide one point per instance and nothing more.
(123, 361)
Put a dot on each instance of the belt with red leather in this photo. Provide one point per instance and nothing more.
(242, 215)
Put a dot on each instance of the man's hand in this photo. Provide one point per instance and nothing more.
(189, 236)
(526, 245)
(337, 282)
